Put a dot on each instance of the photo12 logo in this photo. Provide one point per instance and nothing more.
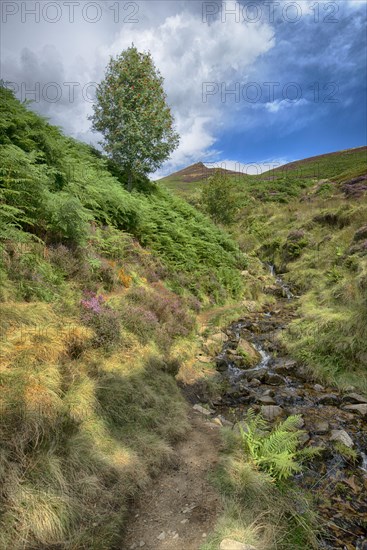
(254, 11)
(69, 11)
(52, 92)
(270, 93)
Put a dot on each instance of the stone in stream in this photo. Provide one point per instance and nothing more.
(321, 427)
(271, 412)
(342, 437)
(230, 544)
(254, 383)
(361, 408)
(273, 379)
(285, 367)
(329, 399)
(354, 398)
(259, 374)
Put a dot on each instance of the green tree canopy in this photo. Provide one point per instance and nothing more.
(219, 198)
(132, 114)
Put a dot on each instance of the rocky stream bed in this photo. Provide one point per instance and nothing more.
(257, 372)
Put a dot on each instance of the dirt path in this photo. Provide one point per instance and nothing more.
(181, 507)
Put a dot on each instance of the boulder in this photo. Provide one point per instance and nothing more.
(318, 387)
(342, 437)
(250, 356)
(360, 408)
(230, 544)
(271, 412)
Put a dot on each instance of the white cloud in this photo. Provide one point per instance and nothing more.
(281, 104)
(189, 54)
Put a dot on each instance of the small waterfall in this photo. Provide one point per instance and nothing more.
(364, 462)
(279, 281)
(265, 357)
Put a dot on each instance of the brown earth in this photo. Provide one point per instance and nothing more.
(181, 506)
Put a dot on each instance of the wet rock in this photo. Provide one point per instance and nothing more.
(250, 356)
(274, 379)
(271, 412)
(285, 368)
(259, 374)
(342, 437)
(230, 544)
(222, 362)
(360, 408)
(329, 399)
(354, 398)
(254, 383)
(321, 427)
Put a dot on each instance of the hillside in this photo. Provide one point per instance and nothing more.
(308, 219)
(100, 289)
(121, 310)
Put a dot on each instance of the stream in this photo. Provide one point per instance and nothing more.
(278, 386)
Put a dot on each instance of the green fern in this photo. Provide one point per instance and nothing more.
(276, 451)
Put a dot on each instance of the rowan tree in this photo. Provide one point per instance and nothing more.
(132, 113)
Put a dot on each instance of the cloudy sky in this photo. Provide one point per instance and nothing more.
(252, 84)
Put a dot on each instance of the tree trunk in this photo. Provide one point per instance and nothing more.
(130, 181)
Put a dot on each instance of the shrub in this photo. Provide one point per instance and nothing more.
(139, 320)
(276, 451)
(102, 319)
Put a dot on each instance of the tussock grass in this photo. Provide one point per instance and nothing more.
(77, 442)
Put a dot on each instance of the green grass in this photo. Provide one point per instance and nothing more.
(299, 219)
(100, 289)
(256, 510)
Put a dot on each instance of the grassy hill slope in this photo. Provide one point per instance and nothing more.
(309, 219)
(99, 293)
